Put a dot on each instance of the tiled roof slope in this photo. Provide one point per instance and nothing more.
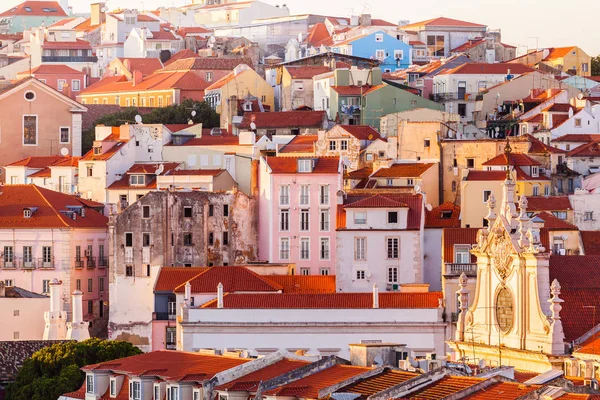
(413, 201)
(591, 242)
(15, 198)
(171, 277)
(402, 170)
(518, 159)
(37, 9)
(289, 165)
(284, 119)
(548, 203)
(458, 236)
(327, 301)
(374, 384)
(14, 353)
(250, 382)
(304, 283)
(300, 144)
(361, 132)
(233, 278)
(554, 223)
(445, 215)
(376, 201)
(578, 277)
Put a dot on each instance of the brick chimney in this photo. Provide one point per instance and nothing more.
(137, 77)
(97, 16)
(67, 90)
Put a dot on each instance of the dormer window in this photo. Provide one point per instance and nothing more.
(89, 384)
(27, 213)
(446, 214)
(137, 180)
(305, 165)
(247, 106)
(535, 172)
(97, 150)
(113, 387)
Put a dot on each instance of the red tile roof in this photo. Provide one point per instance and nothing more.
(48, 204)
(145, 169)
(207, 63)
(191, 30)
(374, 384)
(154, 82)
(51, 69)
(586, 150)
(548, 203)
(289, 165)
(558, 52)
(284, 119)
(304, 283)
(443, 21)
(489, 69)
(181, 55)
(326, 301)
(578, 277)
(300, 144)
(413, 201)
(443, 216)
(518, 159)
(502, 390)
(524, 376)
(457, 236)
(376, 201)
(233, 278)
(538, 147)
(43, 173)
(403, 170)
(559, 119)
(250, 382)
(486, 176)
(353, 90)
(147, 66)
(591, 242)
(364, 172)
(560, 108)
(164, 33)
(443, 388)
(171, 277)
(36, 8)
(553, 223)
(170, 364)
(306, 71)
(309, 386)
(317, 33)
(590, 346)
(578, 137)
(36, 162)
(78, 44)
(361, 132)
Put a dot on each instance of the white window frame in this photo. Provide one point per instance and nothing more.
(398, 52)
(284, 195)
(485, 198)
(535, 190)
(304, 271)
(301, 249)
(89, 383)
(284, 212)
(324, 195)
(343, 145)
(392, 275)
(60, 128)
(332, 145)
(324, 220)
(360, 248)
(392, 239)
(324, 250)
(535, 171)
(361, 275)
(60, 84)
(377, 54)
(304, 222)
(37, 133)
(546, 190)
(113, 387)
(304, 195)
(73, 85)
(379, 37)
(356, 220)
(284, 248)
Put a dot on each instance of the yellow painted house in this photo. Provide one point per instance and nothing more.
(242, 82)
(572, 60)
(478, 185)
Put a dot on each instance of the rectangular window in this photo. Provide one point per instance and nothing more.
(146, 239)
(462, 255)
(209, 77)
(284, 220)
(156, 392)
(187, 212)
(486, 195)
(304, 248)
(61, 84)
(284, 248)
(324, 249)
(380, 54)
(101, 284)
(27, 255)
(298, 85)
(324, 194)
(145, 212)
(535, 171)
(360, 217)
(284, 195)
(398, 55)
(393, 245)
(304, 271)
(577, 122)
(560, 214)
(89, 383)
(304, 220)
(225, 210)
(462, 109)
(360, 274)
(410, 182)
(324, 271)
(304, 195)
(360, 248)
(379, 37)
(211, 210)
(393, 275)
(65, 134)
(187, 239)
(304, 165)
(426, 142)
(78, 284)
(76, 85)
(211, 238)
(536, 190)
(136, 395)
(546, 190)
(225, 238)
(324, 220)
(46, 256)
(46, 286)
(392, 217)
(589, 216)
(30, 130)
(113, 388)
(90, 285)
(90, 307)
(435, 45)
(343, 145)
(470, 163)
(389, 182)
(332, 145)
(128, 239)
(8, 256)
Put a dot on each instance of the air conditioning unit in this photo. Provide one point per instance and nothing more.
(562, 252)
(430, 356)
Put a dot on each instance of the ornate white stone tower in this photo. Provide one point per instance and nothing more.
(78, 328)
(56, 318)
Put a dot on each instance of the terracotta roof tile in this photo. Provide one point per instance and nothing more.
(78, 44)
(457, 236)
(171, 277)
(515, 159)
(553, 223)
(586, 150)
(147, 66)
(327, 301)
(304, 283)
(284, 119)
(445, 215)
(289, 165)
(502, 390)
(36, 8)
(376, 201)
(364, 172)
(486, 176)
(207, 63)
(548, 203)
(578, 277)
(578, 137)
(558, 52)
(413, 201)
(48, 204)
(443, 21)
(43, 173)
(523, 376)
(305, 71)
(374, 384)
(591, 242)
(590, 346)
(36, 162)
(361, 132)
(537, 147)
(52, 69)
(181, 55)
(154, 82)
(233, 278)
(191, 30)
(403, 170)
(14, 353)
(250, 382)
(317, 33)
(300, 144)
(144, 169)
(176, 364)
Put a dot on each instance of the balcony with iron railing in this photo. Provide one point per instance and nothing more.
(102, 262)
(449, 96)
(26, 263)
(455, 269)
(90, 262)
(70, 59)
(79, 262)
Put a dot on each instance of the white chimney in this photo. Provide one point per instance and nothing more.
(375, 296)
(77, 329)
(188, 291)
(55, 328)
(220, 295)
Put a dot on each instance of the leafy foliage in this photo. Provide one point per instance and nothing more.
(55, 370)
(174, 114)
(596, 66)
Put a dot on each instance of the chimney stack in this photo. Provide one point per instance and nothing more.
(220, 295)
(137, 77)
(375, 296)
(56, 319)
(188, 291)
(77, 329)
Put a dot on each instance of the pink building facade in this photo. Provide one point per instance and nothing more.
(297, 212)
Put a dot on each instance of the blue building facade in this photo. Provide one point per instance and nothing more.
(394, 54)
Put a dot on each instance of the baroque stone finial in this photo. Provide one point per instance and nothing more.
(463, 280)
(555, 288)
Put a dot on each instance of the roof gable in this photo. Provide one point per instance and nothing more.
(31, 81)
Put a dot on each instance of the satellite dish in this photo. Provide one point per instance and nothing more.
(252, 126)
(429, 207)
(138, 119)
(64, 152)
(193, 113)
(580, 96)
(417, 188)
(563, 237)
(482, 364)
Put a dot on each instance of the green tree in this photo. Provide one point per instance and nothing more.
(596, 66)
(175, 114)
(55, 370)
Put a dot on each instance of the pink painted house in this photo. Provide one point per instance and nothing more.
(297, 212)
(59, 77)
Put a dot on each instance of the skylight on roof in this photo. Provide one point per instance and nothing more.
(28, 9)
